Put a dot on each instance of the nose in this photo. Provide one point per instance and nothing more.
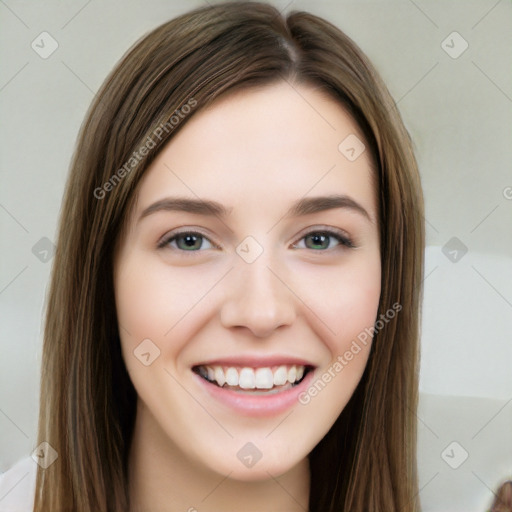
(258, 298)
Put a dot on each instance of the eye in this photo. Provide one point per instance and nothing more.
(321, 239)
(194, 241)
(186, 241)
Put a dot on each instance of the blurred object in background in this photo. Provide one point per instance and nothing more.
(503, 501)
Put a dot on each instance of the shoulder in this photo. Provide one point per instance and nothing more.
(17, 486)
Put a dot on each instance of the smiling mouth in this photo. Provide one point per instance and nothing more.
(254, 381)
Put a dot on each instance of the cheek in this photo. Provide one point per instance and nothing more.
(140, 299)
(349, 342)
(154, 302)
(348, 311)
(351, 309)
(140, 293)
(357, 305)
(142, 304)
(345, 300)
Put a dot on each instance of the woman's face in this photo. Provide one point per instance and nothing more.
(239, 321)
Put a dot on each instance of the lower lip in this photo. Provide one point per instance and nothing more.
(257, 405)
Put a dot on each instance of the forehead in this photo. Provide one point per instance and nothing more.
(264, 145)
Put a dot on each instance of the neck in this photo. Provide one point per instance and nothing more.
(164, 479)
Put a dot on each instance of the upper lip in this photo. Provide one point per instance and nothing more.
(255, 361)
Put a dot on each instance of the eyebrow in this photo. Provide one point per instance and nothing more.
(304, 206)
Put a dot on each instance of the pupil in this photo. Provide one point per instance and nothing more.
(190, 241)
(318, 239)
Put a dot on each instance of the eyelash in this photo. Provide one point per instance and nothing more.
(343, 239)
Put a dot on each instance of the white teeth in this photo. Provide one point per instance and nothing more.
(247, 379)
(250, 378)
(292, 374)
(264, 378)
(280, 376)
(219, 375)
(232, 377)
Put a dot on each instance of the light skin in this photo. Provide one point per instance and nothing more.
(256, 152)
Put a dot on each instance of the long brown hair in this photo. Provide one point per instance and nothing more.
(367, 460)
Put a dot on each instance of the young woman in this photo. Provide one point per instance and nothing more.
(234, 306)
